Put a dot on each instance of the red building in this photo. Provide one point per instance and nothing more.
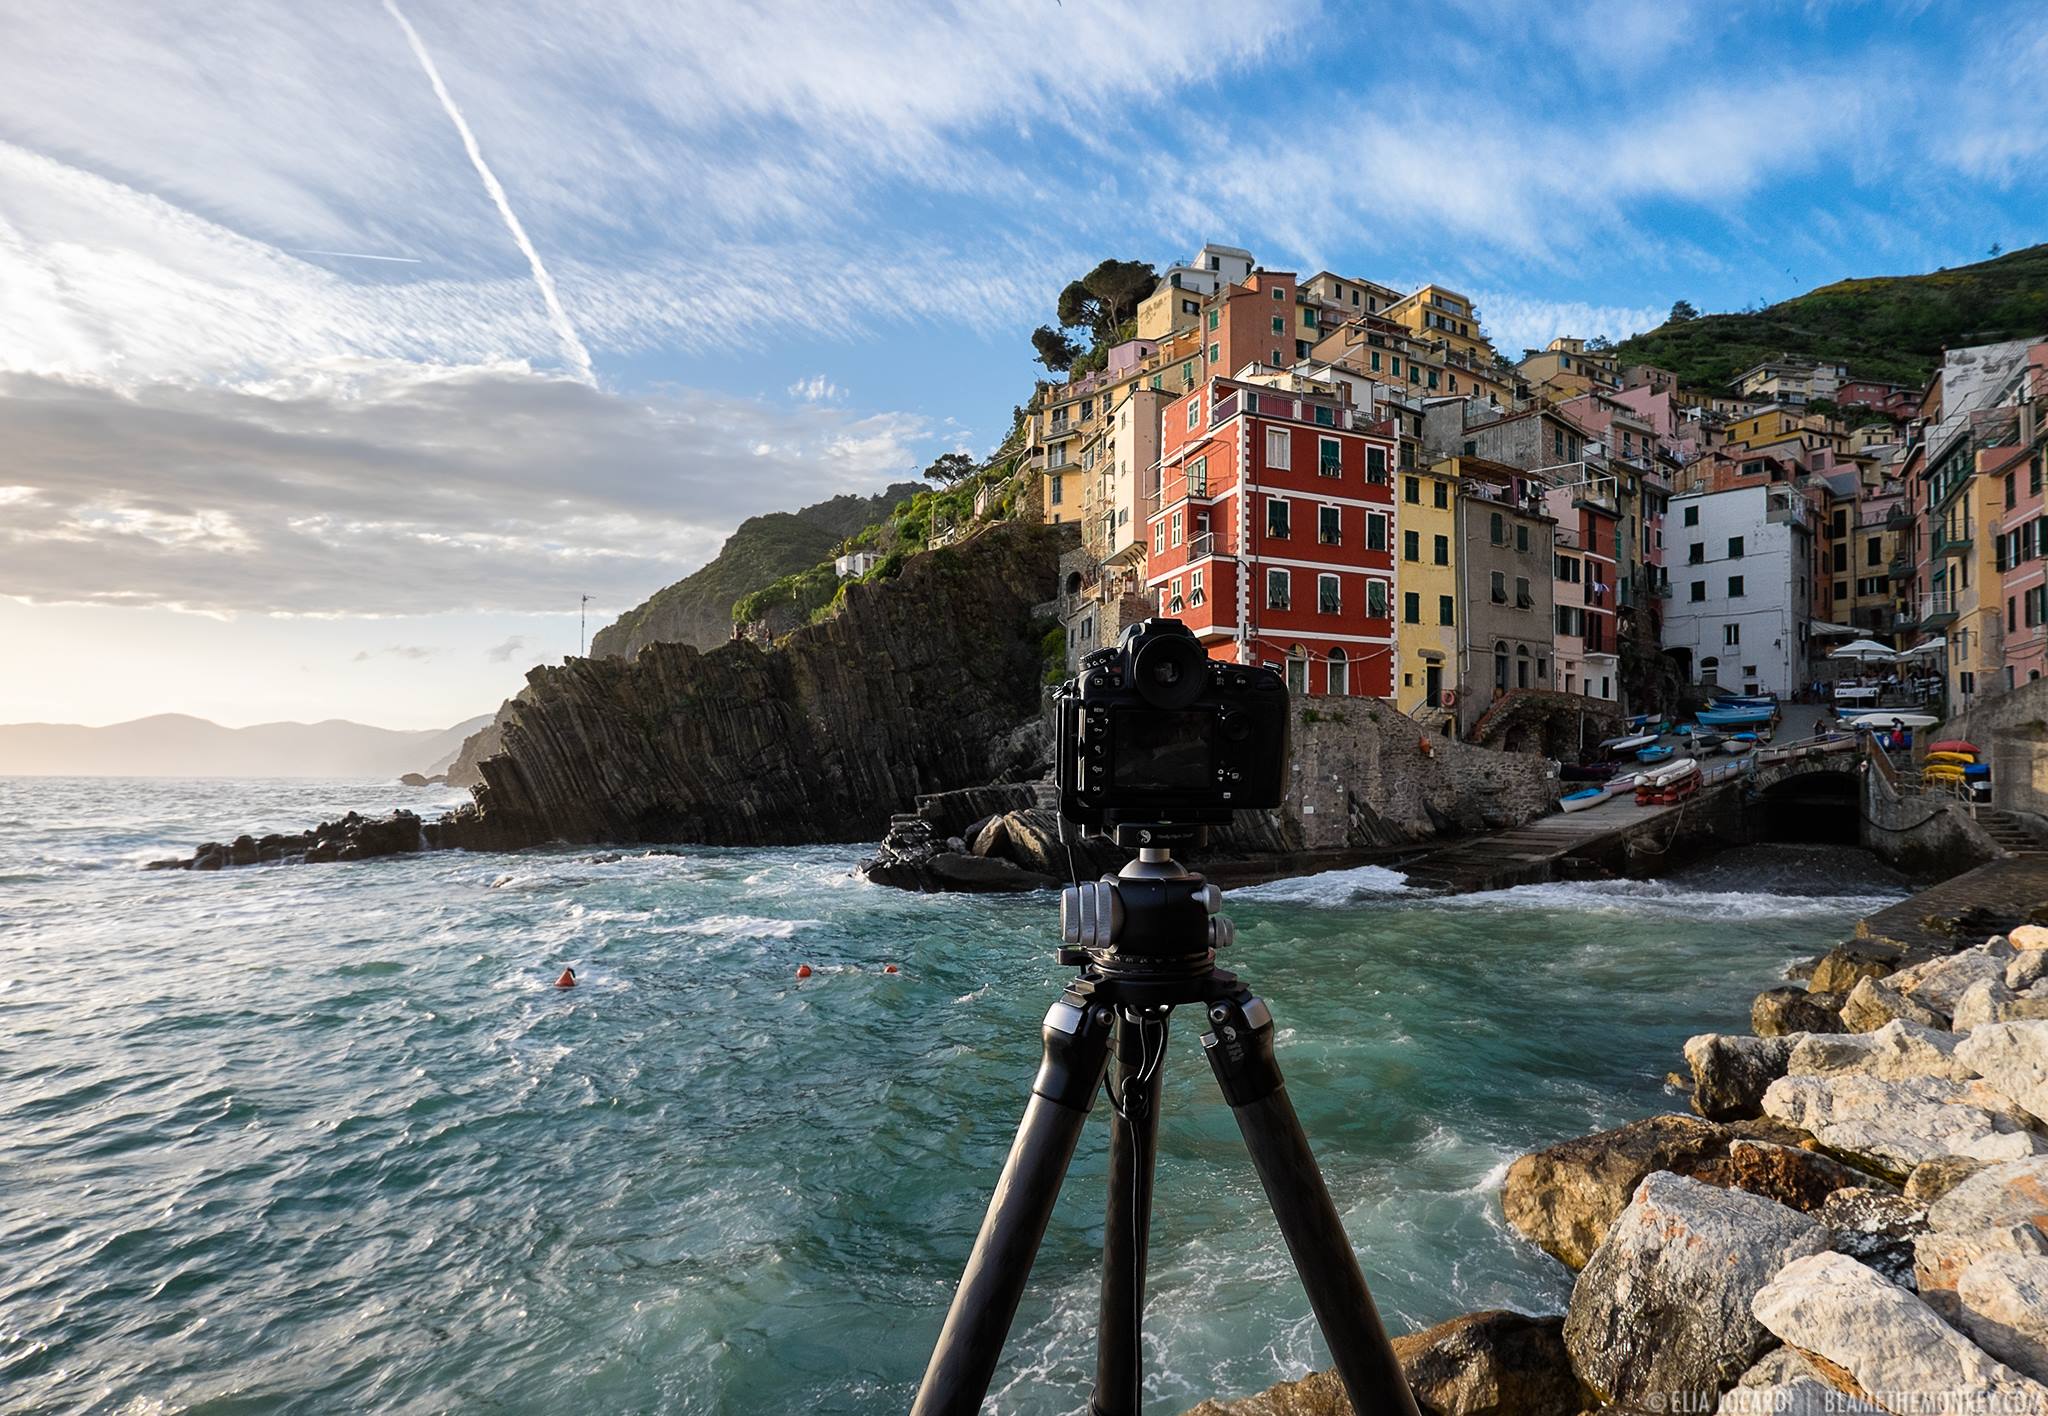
(1273, 539)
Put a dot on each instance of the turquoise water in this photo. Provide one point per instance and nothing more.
(325, 1139)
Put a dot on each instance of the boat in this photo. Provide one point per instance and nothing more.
(1630, 743)
(1951, 759)
(1579, 801)
(1953, 745)
(1977, 772)
(1735, 717)
(1704, 739)
(1746, 700)
(1668, 773)
(1668, 784)
(1739, 744)
(1655, 754)
(1879, 719)
(1622, 782)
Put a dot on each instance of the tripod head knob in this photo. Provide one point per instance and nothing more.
(1091, 914)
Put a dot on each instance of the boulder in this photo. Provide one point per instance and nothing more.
(1875, 1227)
(1482, 1364)
(1796, 1178)
(1661, 1313)
(2027, 936)
(1939, 984)
(1897, 1050)
(1491, 1364)
(1990, 1000)
(412, 779)
(987, 837)
(1892, 1126)
(1842, 968)
(1998, 1195)
(1871, 1004)
(2013, 1059)
(1563, 1198)
(1783, 1383)
(1940, 1260)
(2026, 969)
(2003, 1299)
(955, 871)
(1931, 1179)
(1778, 1012)
(1730, 1073)
(1874, 1339)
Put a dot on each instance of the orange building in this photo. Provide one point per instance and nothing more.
(1274, 538)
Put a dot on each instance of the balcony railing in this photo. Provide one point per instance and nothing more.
(1937, 606)
(1205, 545)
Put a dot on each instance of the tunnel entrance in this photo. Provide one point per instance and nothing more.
(1818, 808)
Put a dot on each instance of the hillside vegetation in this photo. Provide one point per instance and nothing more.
(698, 608)
(1883, 327)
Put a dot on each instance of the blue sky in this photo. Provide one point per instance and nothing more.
(309, 412)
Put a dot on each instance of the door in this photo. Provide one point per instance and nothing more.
(1433, 685)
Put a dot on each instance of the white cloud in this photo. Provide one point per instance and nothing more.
(503, 652)
(1516, 322)
(817, 389)
(374, 487)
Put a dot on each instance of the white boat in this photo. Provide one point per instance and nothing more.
(1579, 801)
(1619, 783)
(1879, 719)
(1669, 774)
(1619, 746)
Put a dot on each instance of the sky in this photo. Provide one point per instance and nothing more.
(344, 348)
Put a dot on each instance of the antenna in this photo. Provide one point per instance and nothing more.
(582, 626)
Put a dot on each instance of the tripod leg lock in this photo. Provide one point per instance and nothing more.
(1239, 1044)
(1077, 1035)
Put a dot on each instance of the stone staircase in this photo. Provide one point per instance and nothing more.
(2010, 834)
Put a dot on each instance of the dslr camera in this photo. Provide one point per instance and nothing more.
(1157, 741)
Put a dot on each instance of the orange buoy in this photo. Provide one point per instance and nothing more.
(803, 970)
(567, 980)
(888, 968)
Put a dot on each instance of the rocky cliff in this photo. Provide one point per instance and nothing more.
(698, 608)
(914, 687)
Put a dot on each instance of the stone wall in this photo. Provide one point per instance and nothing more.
(2013, 731)
(1925, 837)
(1362, 777)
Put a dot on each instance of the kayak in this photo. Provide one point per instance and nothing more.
(1880, 719)
(1630, 743)
(1953, 745)
(1655, 754)
(1579, 801)
(1668, 774)
(1951, 759)
(1734, 717)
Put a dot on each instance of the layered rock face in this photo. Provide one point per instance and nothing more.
(910, 689)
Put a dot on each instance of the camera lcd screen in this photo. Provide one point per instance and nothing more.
(1163, 751)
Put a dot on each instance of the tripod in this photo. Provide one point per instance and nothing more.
(1146, 943)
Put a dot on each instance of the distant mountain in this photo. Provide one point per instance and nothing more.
(698, 608)
(1882, 327)
(174, 745)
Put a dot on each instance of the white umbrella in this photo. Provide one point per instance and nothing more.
(1924, 648)
(1863, 650)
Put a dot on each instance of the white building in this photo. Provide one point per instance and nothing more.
(854, 563)
(1740, 563)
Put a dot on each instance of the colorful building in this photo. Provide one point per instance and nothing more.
(1274, 538)
(1426, 583)
(1442, 316)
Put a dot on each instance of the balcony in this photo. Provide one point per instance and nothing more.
(1224, 409)
(1061, 429)
(1937, 608)
(1953, 541)
(1205, 547)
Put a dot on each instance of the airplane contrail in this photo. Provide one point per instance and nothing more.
(360, 256)
(572, 346)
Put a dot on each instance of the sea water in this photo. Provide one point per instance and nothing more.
(325, 1138)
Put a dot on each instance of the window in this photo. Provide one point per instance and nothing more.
(1159, 538)
(1521, 537)
(1500, 665)
(1194, 412)
(1326, 416)
(1279, 325)
(1198, 478)
(1442, 550)
(1699, 591)
(1692, 516)
(1446, 611)
(1215, 316)
(1443, 495)
(1278, 293)
(1734, 587)
(1376, 465)
(1376, 533)
(1330, 525)
(1499, 529)
(1276, 589)
(1278, 447)
(1215, 353)
(1176, 528)
(1735, 548)
(1696, 553)
(1731, 634)
(1297, 670)
(1523, 599)
(1329, 461)
(1376, 599)
(1340, 674)
(1276, 517)
(1500, 588)
(1411, 545)
(1328, 596)
(2011, 493)
(1411, 486)
(1195, 594)
(1275, 361)
(1411, 608)
(1871, 551)
(1375, 361)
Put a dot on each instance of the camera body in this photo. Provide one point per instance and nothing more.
(1153, 732)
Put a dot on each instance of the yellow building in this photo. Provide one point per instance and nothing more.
(1445, 318)
(1426, 586)
(1567, 369)
(1386, 353)
(1774, 425)
(1967, 588)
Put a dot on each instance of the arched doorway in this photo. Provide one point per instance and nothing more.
(1500, 665)
(1340, 674)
